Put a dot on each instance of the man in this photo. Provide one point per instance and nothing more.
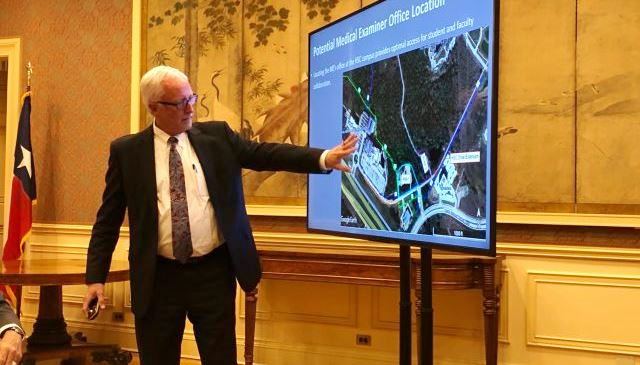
(11, 335)
(189, 231)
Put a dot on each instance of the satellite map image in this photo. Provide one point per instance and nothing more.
(421, 118)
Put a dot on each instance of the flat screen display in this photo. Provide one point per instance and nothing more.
(416, 81)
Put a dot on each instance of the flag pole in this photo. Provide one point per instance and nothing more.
(18, 293)
(29, 73)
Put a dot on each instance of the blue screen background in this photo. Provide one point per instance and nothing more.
(326, 98)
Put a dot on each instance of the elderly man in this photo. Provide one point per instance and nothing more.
(190, 240)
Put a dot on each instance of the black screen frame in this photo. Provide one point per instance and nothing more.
(493, 158)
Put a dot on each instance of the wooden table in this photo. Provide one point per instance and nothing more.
(450, 272)
(50, 338)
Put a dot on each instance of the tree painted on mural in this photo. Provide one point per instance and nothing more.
(260, 90)
(264, 19)
(195, 42)
(321, 8)
(195, 28)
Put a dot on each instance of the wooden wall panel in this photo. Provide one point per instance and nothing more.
(608, 103)
(536, 104)
(557, 319)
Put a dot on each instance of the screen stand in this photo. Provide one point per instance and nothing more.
(405, 304)
(425, 345)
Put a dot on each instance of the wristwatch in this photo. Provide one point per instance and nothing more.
(14, 328)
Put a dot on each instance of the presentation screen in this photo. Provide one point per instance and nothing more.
(416, 82)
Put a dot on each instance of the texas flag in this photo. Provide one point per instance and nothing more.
(23, 195)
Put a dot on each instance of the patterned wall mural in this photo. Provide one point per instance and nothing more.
(248, 62)
(569, 92)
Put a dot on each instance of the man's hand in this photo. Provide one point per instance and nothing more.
(10, 348)
(94, 290)
(337, 153)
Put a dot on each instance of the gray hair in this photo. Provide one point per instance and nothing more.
(151, 82)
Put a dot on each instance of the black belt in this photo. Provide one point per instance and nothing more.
(196, 259)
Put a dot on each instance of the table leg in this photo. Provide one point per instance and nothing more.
(50, 327)
(491, 305)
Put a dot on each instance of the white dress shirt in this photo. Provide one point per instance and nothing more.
(204, 231)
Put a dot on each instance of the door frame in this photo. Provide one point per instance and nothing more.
(10, 48)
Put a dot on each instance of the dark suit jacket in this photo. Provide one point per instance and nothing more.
(131, 184)
(7, 315)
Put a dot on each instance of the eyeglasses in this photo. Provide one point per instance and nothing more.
(191, 100)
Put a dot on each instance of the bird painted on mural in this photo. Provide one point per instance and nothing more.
(283, 122)
(214, 75)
